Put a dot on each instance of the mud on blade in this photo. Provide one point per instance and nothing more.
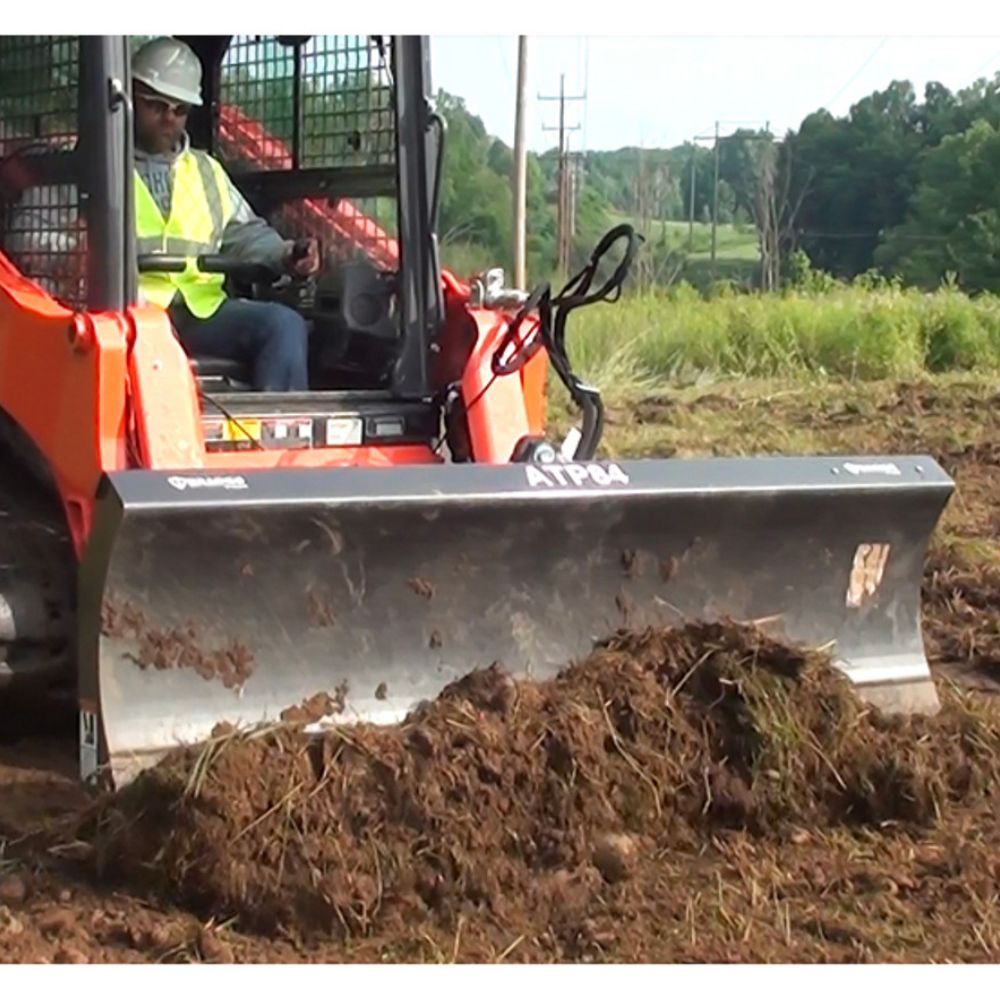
(233, 598)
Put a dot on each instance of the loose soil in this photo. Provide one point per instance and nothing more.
(702, 794)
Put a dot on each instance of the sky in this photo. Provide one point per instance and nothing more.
(663, 91)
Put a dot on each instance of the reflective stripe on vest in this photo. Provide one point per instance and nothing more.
(199, 210)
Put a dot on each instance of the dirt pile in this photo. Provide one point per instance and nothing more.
(504, 799)
(961, 608)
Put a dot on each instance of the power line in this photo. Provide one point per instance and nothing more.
(975, 76)
(921, 237)
(586, 86)
(878, 48)
(503, 59)
(520, 163)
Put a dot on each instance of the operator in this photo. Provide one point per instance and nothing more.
(186, 204)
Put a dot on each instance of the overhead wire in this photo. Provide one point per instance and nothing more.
(878, 48)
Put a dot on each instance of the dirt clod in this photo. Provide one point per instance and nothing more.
(13, 890)
(160, 936)
(421, 587)
(176, 648)
(68, 955)
(10, 925)
(212, 948)
(56, 921)
(614, 856)
(313, 709)
(120, 619)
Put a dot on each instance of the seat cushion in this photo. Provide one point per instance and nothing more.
(226, 368)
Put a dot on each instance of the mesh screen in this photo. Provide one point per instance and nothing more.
(345, 120)
(38, 87)
(345, 115)
(41, 227)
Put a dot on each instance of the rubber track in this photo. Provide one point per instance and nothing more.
(35, 551)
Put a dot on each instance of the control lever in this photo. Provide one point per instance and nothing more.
(300, 249)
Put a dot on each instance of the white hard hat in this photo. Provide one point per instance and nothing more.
(171, 68)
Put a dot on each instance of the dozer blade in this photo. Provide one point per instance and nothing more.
(231, 598)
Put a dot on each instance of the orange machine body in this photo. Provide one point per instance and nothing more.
(100, 392)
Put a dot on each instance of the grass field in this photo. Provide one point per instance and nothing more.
(848, 332)
(732, 242)
(682, 253)
(737, 253)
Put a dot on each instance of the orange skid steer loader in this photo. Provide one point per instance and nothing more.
(178, 550)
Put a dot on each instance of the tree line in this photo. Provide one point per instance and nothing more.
(901, 185)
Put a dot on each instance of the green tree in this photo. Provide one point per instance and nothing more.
(954, 222)
(861, 171)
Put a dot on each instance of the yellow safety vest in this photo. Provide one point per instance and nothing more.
(200, 208)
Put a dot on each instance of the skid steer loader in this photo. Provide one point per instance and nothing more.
(178, 551)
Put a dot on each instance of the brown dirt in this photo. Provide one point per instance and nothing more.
(38, 782)
(704, 795)
(176, 648)
(319, 706)
(962, 616)
(499, 798)
(421, 587)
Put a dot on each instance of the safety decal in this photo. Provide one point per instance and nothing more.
(866, 573)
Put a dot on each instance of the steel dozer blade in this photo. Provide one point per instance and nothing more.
(230, 598)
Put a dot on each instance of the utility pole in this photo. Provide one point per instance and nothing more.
(715, 198)
(567, 205)
(572, 188)
(694, 161)
(564, 225)
(715, 193)
(520, 165)
(642, 215)
(715, 209)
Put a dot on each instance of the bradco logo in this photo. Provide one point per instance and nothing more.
(579, 476)
(207, 482)
(884, 468)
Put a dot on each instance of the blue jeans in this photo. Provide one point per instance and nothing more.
(268, 336)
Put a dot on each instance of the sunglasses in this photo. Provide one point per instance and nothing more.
(162, 105)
